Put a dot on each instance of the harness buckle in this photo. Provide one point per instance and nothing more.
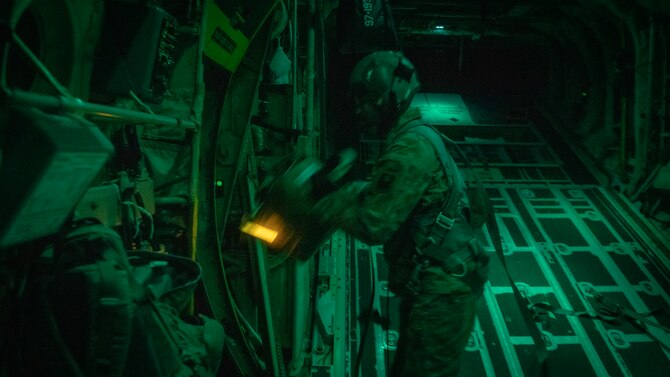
(444, 221)
(459, 269)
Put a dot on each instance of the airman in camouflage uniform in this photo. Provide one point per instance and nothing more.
(407, 186)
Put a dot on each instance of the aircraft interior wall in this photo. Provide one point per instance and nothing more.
(141, 139)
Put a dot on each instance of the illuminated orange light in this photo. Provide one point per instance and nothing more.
(259, 231)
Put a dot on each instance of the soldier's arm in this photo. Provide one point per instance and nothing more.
(372, 212)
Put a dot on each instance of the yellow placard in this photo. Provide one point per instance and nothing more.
(222, 43)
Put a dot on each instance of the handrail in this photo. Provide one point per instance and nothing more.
(62, 103)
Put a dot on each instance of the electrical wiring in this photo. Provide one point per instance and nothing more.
(151, 220)
(140, 209)
(136, 224)
(135, 219)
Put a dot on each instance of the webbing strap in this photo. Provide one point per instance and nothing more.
(541, 352)
(449, 207)
(612, 313)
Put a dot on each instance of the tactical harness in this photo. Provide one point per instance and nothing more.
(435, 248)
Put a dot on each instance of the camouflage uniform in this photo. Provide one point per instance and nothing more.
(408, 181)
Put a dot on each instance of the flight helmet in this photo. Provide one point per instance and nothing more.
(382, 85)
